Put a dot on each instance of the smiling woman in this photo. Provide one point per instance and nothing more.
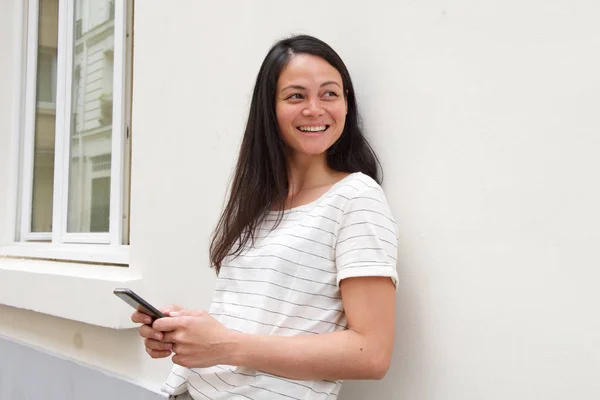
(305, 250)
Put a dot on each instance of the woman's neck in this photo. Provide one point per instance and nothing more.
(308, 179)
(306, 173)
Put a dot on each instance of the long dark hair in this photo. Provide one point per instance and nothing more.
(261, 177)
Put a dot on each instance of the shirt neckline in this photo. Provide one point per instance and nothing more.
(317, 200)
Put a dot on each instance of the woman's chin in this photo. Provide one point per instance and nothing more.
(310, 151)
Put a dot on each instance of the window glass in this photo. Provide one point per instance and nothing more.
(91, 117)
(45, 118)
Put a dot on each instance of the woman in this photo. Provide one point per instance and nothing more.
(305, 250)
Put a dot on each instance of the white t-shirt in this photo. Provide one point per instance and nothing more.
(287, 284)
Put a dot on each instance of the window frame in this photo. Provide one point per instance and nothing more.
(88, 247)
(37, 267)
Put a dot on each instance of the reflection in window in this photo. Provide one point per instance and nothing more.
(91, 117)
(45, 118)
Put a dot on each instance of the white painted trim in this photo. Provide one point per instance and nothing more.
(12, 228)
(118, 123)
(29, 120)
(64, 235)
(68, 290)
(86, 237)
(63, 149)
(37, 236)
(66, 22)
(89, 253)
(126, 173)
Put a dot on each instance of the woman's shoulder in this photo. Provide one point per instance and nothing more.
(356, 184)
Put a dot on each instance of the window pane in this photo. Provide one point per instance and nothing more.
(91, 117)
(45, 118)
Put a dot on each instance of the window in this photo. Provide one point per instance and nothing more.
(74, 165)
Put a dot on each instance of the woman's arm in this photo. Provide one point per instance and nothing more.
(363, 351)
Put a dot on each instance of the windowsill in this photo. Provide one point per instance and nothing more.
(84, 253)
(75, 291)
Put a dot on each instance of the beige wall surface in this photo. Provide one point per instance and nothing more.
(485, 118)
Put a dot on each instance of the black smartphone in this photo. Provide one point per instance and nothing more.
(135, 301)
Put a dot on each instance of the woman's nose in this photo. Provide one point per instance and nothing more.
(313, 108)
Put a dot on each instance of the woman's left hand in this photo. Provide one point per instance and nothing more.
(199, 340)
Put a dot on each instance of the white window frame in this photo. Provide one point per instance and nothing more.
(32, 277)
(105, 248)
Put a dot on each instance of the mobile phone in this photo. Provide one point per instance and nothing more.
(135, 301)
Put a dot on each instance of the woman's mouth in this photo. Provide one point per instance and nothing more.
(313, 130)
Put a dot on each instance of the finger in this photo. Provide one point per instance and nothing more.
(179, 360)
(177, 348)
(147, 332)
(171, 337)
(141, 318)
(166, 324)
(188, 313)
(170, 308)
(158, 353)
(157, 345)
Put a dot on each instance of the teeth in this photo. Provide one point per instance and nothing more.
(312, 128)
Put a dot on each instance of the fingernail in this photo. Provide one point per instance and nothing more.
(174, 314)
(157, 336)
(147, 321)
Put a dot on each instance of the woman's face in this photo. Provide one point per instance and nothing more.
(310, 105)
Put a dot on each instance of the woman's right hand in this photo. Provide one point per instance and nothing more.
(155, 347)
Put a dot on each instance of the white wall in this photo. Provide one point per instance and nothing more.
(485, 117)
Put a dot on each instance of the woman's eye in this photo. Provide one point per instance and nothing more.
(330, 94)
(295, 96)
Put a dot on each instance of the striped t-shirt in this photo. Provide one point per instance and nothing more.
(287, 284)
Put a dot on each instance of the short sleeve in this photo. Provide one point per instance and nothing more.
(367, 241)
(176, 382)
